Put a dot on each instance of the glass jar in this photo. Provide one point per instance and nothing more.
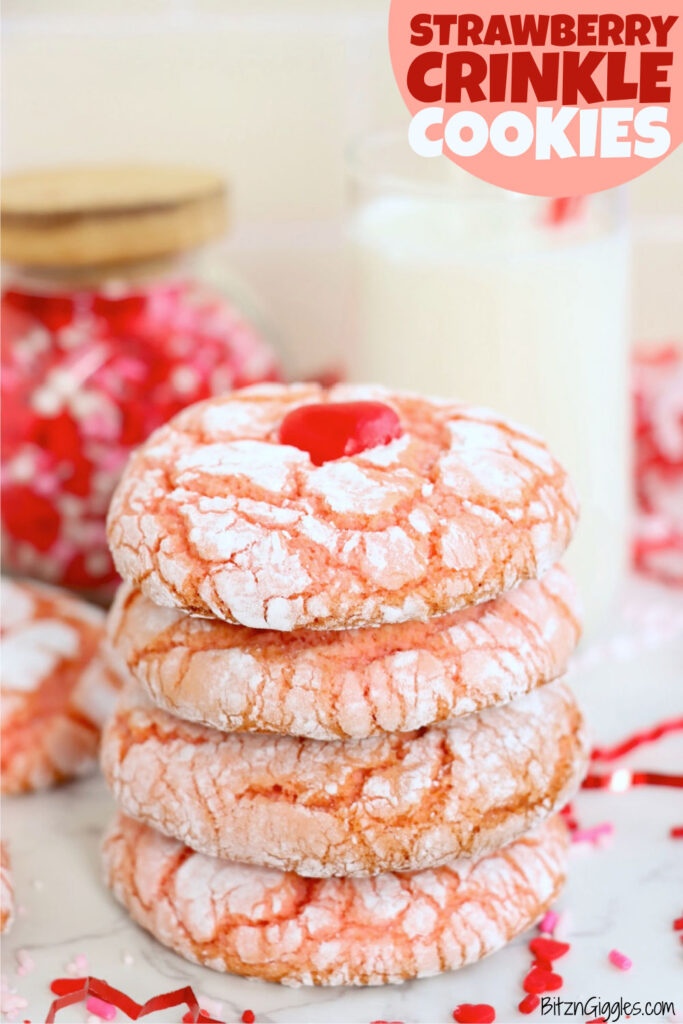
(109, 328)
(516, 302)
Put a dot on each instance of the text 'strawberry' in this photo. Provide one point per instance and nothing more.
(331, 430)
(548, 949)
(539, 980)
(474, 1013)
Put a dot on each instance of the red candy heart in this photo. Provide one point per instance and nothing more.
(548, 949)
(330, 430)
(474, 1013)
(538, 981)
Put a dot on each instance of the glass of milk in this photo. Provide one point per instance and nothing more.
(463, 289)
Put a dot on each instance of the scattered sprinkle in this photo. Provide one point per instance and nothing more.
(623, 780)
(620, 960)
(248, 1017)
(68, 989)
(676, 832)
(637, 740)
(548, 949)
(211, 1007)
(539, 980)
(563, 926)
(78, 966)
(10, 1000)
(568, 817)
(548, 922)
(105, 1011)
(678, 924)
(593, 835)
(474, 1013)
(529, 1003)
(25, 962)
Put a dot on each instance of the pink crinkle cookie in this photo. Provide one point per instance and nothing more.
(56, 688)
(393, 802)
(215, 516)
(6, 891)
(328, 684)
(335, 931)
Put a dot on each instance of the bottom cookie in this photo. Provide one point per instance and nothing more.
(275, 925)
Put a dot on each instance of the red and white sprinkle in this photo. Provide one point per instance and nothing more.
(10, 1000)
(25, 962)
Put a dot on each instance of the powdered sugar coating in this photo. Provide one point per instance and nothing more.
(215, 516)
(337, 931)
(6, 891)
(327, 684)
(56, 689)
(393, 802)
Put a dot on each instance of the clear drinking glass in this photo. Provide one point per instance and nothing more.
(516, 302)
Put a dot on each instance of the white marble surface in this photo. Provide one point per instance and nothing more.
(625, 895)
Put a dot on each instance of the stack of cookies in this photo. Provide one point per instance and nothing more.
(344, 737)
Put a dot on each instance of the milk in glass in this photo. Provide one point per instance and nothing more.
(465, 290)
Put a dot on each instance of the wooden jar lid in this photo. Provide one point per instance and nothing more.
(88, 216)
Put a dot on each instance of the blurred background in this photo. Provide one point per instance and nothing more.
(270, 95)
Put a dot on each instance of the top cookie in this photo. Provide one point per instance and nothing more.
(216, 516)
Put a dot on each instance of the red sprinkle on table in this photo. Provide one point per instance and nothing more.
(474, 1013)
(76, 990)
(678, 924)
(548, 949)
(539, 980)
(676, 832)
(529, 1003)
(248, 1017)
(637, 740)
(623, 779)
(331, 430)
